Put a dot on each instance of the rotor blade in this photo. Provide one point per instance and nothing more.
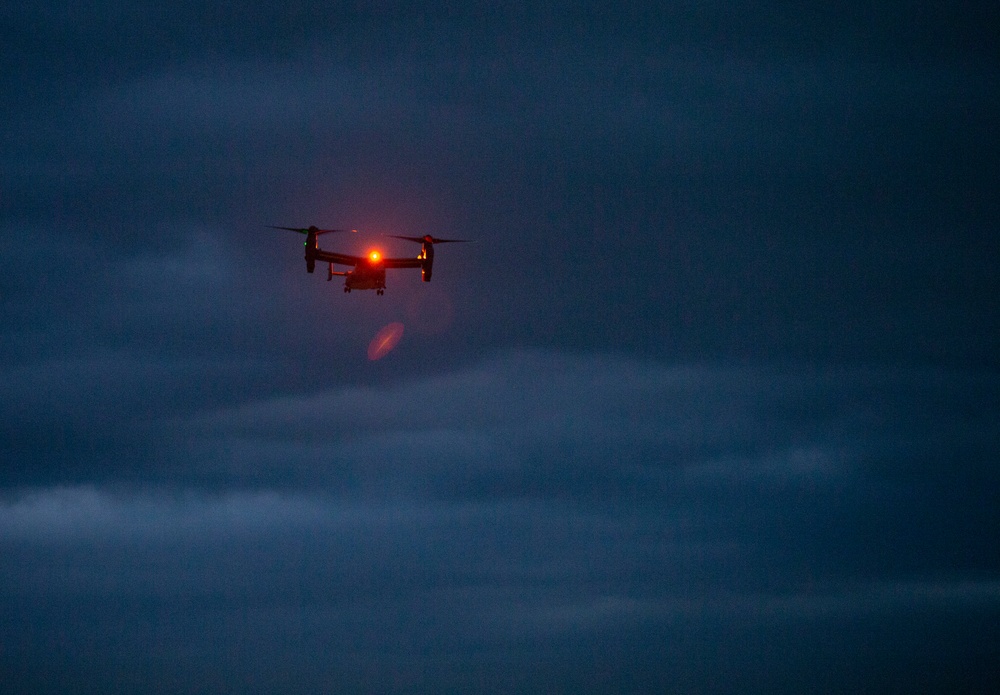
(428, 239)
(306, 230)
(327, 231)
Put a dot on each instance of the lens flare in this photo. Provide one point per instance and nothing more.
(384, 341)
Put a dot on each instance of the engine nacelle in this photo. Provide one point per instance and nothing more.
(427, 267)
(311, 246)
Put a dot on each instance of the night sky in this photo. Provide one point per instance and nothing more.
(711, 404)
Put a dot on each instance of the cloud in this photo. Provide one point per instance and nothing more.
(576, 412)
(303, 588)
(205, 484)
(542, 469)
(520, 423)
(758, 189)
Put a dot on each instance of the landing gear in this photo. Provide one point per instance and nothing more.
(347, 290)
(380, 291)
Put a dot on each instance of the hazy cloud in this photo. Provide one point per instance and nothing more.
(711, 405)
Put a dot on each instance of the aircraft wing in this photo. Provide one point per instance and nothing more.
(338, 258)
(403, 262)
(346, 259)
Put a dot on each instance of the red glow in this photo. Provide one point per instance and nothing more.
(384, 341)
(374, 255)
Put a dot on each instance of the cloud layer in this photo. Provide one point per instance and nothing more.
(533, 517)
(710, 405)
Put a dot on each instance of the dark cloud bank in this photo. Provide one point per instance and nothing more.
(712, 404)
(532, 522)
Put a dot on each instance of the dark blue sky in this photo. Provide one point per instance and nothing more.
(711, 405)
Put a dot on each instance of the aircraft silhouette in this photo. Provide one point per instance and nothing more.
(368, 271)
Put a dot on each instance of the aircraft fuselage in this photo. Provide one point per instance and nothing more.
(367, 275)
